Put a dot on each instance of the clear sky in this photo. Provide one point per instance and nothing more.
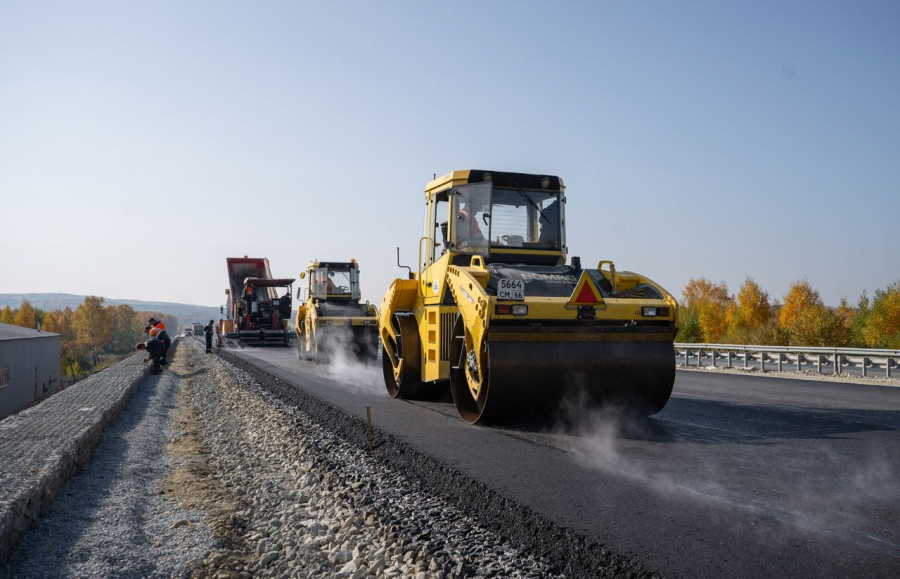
(143, 142)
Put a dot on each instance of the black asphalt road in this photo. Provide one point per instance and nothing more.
(739, 476)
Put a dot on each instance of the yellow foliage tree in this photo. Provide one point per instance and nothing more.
(807, 322)
(753, 305)
(25, 316)
(92, 328)
(712, 305)
(883, 328)
(750, 321)
(7, 315)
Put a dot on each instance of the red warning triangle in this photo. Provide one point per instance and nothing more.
(586, 293)
(586, 296)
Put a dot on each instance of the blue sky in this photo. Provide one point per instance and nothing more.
(142, 143)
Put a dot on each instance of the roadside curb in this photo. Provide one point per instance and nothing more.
(567, 551)
(48, 443)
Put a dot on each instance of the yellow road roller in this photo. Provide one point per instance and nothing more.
(331, 316)
(494, 309)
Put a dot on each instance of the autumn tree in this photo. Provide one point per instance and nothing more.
(62, 322)
(883, 323)
(807, 321)
(798, 315)
(751, 315)
(25, 316)
(839, 332)
(7, 315)
(127, 328)
(711, 304)
(92, 326)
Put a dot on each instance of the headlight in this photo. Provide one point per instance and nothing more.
(651, 311)
(511, 310)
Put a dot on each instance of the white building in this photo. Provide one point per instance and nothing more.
(29, 367)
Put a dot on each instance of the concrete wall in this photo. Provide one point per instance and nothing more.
(33, 371)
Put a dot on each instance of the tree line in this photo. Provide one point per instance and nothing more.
(91, 334)
(710, 314)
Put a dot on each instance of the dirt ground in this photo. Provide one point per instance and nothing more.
(194, 486)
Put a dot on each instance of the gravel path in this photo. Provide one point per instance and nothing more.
(110, 520)
(313, 505)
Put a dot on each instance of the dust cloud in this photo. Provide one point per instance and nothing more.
(350, 366)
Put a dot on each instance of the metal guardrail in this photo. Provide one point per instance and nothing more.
(837, 360)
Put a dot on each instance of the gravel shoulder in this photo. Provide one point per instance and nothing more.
(313, 504)
(111, 520)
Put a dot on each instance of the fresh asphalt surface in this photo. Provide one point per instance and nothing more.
(739, 476)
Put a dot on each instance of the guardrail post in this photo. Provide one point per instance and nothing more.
(819, 363)
(780, 360)
(700, 357)
(834, 362)
(687, 351)
(839, 363)
(864, 364)
(713, 358)
(746, 356)
(887, 366)
(762, 361)
(799, 361)
(730, 356)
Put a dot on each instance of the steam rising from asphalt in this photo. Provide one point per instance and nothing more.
(837, 496)
(342, 365)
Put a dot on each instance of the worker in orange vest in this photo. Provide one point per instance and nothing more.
(157, 330)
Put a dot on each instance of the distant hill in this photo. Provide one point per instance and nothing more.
(186, 313)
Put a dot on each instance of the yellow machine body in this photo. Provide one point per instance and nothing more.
(331, 317)
(504, 320)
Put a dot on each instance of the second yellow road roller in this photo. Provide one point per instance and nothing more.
(331, 317)
(494, 310)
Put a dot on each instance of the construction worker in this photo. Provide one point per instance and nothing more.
(155, 348)
(162, 336)
(469, 233)
(209, 330)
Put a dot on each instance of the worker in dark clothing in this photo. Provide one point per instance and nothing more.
(163, 337)
(155, 349)
(209, 330)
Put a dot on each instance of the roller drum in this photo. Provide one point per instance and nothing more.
(524, 378)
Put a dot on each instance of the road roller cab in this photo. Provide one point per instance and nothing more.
(331, 317)
(494, 309)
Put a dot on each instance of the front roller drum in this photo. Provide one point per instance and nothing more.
(533, 378)
(403, 377)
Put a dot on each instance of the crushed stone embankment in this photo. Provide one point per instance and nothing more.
(111, 520)
(313, 505)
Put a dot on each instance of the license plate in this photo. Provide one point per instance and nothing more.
(511, 289)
